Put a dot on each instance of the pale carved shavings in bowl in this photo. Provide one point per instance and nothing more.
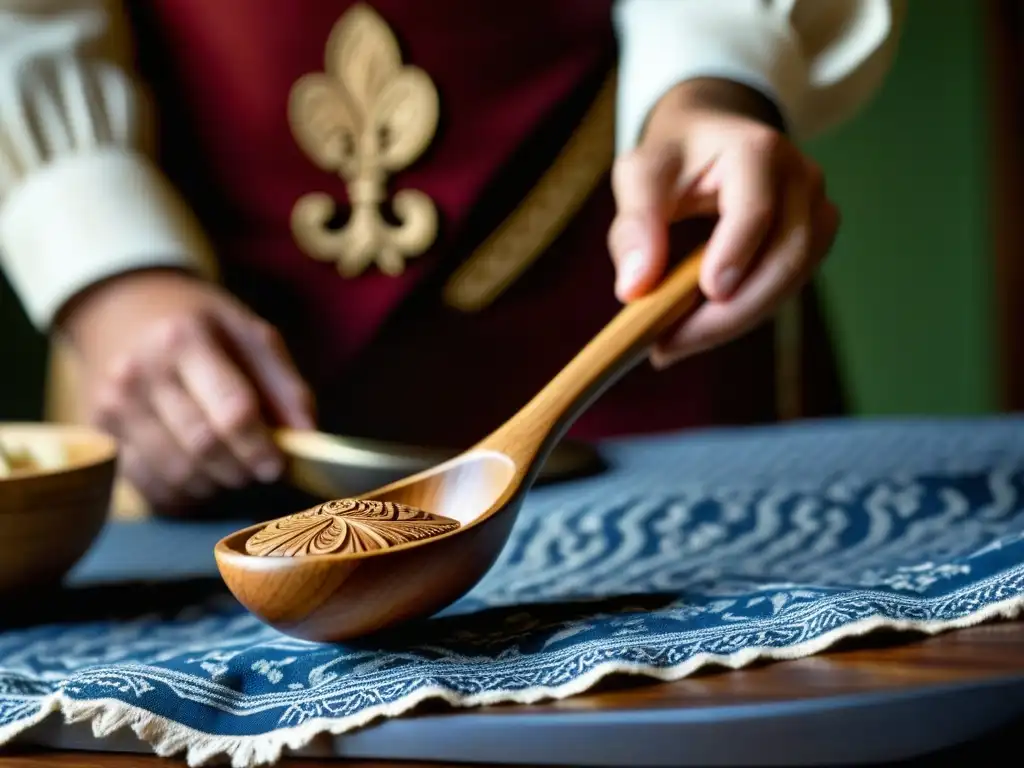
(347, 526)
(21, 458)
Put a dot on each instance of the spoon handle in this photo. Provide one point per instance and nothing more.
(529, 435)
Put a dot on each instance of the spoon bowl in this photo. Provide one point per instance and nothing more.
(334, 597)
(340, 596)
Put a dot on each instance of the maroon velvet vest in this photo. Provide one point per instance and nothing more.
(386, 357)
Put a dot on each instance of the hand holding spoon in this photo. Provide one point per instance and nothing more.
(351, 567)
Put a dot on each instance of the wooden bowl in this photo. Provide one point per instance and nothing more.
(50, 514)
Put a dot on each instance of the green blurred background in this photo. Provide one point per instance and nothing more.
(909, 286)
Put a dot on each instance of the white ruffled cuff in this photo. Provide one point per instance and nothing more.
(90, 216)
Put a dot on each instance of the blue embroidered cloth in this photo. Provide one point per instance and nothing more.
(722, 546)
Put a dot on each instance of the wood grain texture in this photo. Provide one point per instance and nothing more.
(346, 526)
(50, 517)
(878, 662)
(340, 596)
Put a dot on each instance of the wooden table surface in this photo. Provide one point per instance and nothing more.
(878, 662)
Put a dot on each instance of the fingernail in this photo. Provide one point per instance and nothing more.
(268, 471)
(727, 280)
(630, 271)
(663, 360)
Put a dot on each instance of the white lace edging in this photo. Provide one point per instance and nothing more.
(169, 738)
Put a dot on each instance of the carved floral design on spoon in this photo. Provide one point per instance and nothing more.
(347, 526)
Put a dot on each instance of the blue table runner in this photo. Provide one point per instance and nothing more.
(719, 547)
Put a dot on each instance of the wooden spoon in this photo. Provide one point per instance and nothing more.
(404, 564)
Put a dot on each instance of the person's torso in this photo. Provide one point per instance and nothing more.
(385, 354)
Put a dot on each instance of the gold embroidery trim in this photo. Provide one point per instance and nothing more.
(543, 213)
(365, 117)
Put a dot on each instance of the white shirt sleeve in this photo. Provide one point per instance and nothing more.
(819, 61)
(80, 197)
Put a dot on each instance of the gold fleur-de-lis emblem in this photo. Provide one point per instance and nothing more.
(365, 117)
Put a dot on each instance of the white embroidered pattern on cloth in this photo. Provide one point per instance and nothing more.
(657, 568)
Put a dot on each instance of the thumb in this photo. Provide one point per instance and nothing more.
(265, 356)
(643, 183)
